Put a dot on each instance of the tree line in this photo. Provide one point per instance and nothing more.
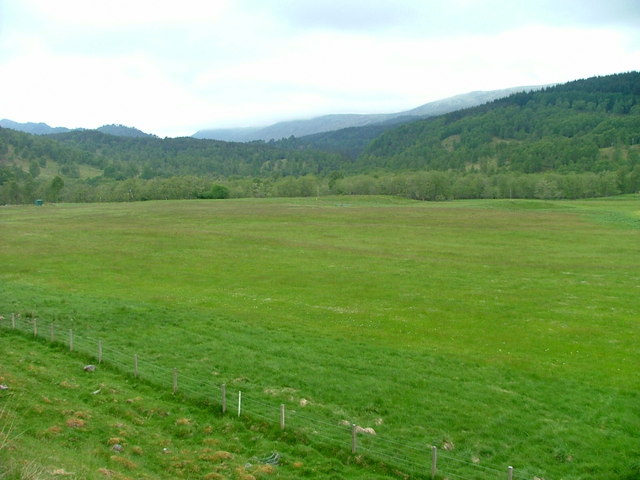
(574, 140)
(426, 185)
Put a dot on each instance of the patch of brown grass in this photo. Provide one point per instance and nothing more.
(125, 462)
(61, 472)
(266, 469)
(214, 476)
(216, 456)
(112, 474)
(74, 422)
(137, 450)
(67, 384)
(54, 430)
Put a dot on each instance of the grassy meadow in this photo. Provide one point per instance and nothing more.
(505, 332)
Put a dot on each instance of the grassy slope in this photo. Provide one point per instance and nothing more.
(58, 421)
(504, 328)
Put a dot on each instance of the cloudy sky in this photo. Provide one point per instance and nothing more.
(174, 67)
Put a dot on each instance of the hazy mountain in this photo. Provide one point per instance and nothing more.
(122, 131)
(44, 129)
(329, 123)
(33, 128)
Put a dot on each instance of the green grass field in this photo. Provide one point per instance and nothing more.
(58, 421)
(504, 331)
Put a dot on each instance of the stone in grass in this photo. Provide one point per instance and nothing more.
(90, 368)
(4, 387)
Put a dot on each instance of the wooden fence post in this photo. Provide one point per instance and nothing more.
(434, 461)
(135, 367)
(35, 327)
(175, 380)
(509, 473)
(223, 389)
(71, 340)
(52, 333)
(99, 351)
(239, 402)
(354, 436)
(13, 321)
(282, 416)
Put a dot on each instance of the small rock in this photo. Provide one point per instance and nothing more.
(367, 430)
(117, 448)
(4, 387)
(89, 368)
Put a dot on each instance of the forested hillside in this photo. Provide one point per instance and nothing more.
(151, 157)
(576, 140)
(562, 128)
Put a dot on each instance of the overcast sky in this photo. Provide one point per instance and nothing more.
(174, 67)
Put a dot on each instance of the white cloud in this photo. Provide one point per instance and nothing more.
(172, 68)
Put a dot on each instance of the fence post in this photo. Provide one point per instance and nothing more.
(223, 389)
(509, 473)
(175, 380)
(35, 327)
(13, 321)
(71, 340)
(239, 402)
(354, 436)
(99, 351)
(52, 332)
(282, 416)
(434, 461)
(135, 367)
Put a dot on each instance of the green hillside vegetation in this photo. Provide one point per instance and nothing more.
(350, 142)
(153, 157)
(561, 129)
(503, 332)
(575, 140)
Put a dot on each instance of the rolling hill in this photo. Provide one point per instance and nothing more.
(330, 123)
(563, 128)
(584, 132)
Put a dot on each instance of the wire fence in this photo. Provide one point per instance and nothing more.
(416, 461)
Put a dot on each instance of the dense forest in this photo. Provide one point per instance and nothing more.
(562, 128)
(579, 139)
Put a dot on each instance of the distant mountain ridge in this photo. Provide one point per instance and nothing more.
(123, 131)
(33, 128)
(44, 129)
(329, 123)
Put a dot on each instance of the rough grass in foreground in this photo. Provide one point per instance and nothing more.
(58, 421)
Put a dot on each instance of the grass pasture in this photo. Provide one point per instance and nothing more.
(503, 331)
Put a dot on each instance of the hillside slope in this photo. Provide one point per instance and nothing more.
(59, 421)
(330, 123)
(562, 128)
